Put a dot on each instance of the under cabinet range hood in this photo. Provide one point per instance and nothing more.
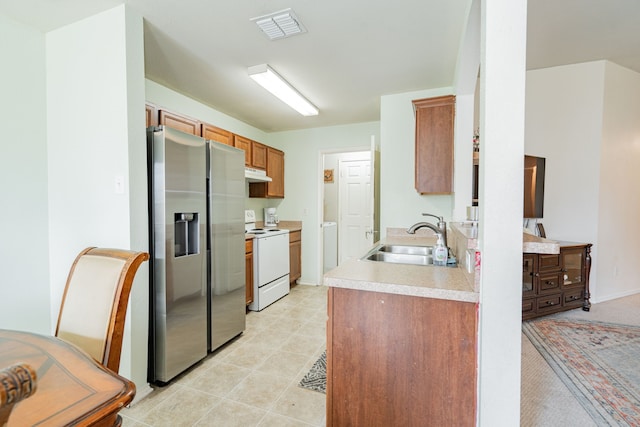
(256, 175)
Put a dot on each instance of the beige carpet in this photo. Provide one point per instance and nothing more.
(545, 400)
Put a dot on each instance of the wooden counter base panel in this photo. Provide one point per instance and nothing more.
(400, 360)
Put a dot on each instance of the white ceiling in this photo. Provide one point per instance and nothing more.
(354, 51)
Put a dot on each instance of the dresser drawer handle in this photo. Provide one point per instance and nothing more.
(550, 282)
(550, 303)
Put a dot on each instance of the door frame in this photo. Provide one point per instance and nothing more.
(320, 200)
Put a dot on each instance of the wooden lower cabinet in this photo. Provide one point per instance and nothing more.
(295, 255)
(556, 282)
(248, 257)
(397, 360)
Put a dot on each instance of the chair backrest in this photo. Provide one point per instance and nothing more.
(95, 300)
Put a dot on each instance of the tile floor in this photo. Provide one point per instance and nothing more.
(253, 380)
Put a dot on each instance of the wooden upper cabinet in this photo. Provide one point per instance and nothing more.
(151, 113)
(244, 144)
(258, 155)
(214, 133)
(434, 144)
(275, 170)
(182, 123)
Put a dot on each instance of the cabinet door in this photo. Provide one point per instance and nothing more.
(258, 155)
(182, 123)
(214, 133)
(248, 258)
(434, 144)
(529, 270)
(244, 144)
(572, 263)
(275, 170)
(295, 256)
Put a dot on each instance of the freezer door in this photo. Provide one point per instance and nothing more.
(227, 306)
(178, 211)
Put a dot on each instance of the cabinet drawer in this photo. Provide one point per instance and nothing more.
(549, 302)
(549, 283)
(295, 236)
(248, 246)
(528, 305)
(549, 262)
(574, 298)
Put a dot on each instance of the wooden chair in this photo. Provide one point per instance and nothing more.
(17, 382)
(95, 300)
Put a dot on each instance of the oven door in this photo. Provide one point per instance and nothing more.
(271, 258)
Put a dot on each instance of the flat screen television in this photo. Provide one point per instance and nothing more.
(533, 186)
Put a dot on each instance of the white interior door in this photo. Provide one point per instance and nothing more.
(356, 208)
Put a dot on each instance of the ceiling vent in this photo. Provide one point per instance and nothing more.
(279, 25)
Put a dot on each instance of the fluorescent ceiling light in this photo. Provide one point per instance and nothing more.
(271, 81)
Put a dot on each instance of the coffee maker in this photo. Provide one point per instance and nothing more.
(270, 217)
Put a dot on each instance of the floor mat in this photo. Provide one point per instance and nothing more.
(316, 378)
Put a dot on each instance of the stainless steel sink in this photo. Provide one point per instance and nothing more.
(400, 258)
(404, 249)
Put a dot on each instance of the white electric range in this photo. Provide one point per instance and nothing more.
(270, 262)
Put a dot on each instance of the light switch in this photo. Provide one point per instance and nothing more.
(119, 184)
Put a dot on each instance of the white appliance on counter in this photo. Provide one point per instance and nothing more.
(270, 263)
(330, 245)
(271, 217)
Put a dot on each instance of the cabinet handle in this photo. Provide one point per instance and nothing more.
(550, 303)
(550, 282)
(536, 274)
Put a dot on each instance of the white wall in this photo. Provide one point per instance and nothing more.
(619, 197)
(92, 71)
(502, 100)
(330, 199)
(584, 119)
(304, 180)
(23, 172)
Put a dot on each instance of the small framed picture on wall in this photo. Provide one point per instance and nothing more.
(328, 175)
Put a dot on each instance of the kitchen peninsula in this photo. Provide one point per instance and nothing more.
(401, 343)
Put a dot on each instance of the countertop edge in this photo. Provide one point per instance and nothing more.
(403, 289)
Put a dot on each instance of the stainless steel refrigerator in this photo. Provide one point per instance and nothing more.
(196, 221)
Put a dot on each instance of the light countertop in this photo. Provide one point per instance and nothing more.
(448, 283)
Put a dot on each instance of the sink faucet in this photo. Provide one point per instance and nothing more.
(441, 228)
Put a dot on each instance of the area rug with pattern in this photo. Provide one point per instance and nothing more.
(599, 362)
(316, 378)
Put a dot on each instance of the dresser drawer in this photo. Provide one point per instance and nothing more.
(548, 302)
(549, 283)
(549, 262)
(574, 298)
